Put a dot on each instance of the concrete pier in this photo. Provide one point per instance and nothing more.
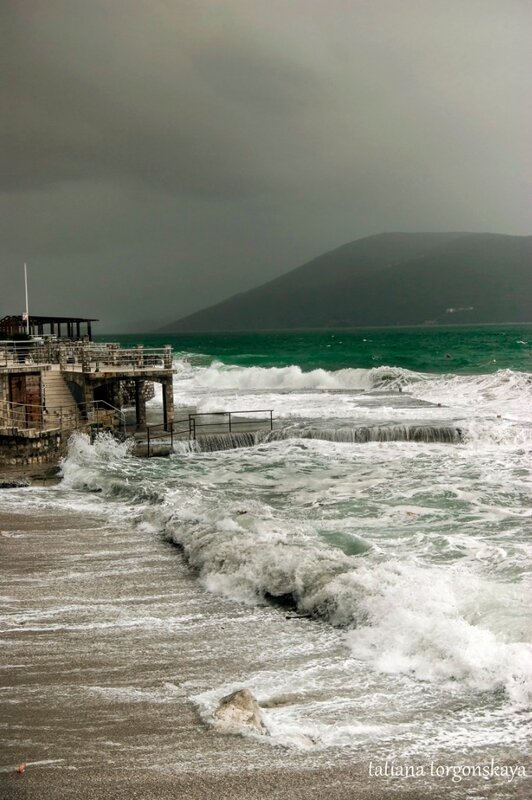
(62, 386)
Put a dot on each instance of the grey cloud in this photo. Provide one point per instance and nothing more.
(133, 100)
(158, 157)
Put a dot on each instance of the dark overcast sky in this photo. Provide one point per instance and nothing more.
(159, 155)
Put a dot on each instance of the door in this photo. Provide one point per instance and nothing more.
(25, 392)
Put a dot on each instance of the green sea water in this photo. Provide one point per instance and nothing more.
(457, 349)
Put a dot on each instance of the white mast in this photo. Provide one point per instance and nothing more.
(27, 307)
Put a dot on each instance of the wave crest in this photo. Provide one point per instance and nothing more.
(401, 616)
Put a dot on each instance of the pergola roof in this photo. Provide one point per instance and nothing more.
(40, 320)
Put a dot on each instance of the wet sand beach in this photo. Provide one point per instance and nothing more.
(106, 637)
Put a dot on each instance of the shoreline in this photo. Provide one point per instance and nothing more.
(99, 664)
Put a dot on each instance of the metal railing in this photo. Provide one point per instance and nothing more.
(189, 427)
(100, 413)
(94, 415)
(86, 356)
(14, 353)
(21, 415)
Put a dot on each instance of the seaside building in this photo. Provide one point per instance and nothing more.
(59, 380)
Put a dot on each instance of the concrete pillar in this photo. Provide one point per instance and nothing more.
(118, 394)
(140, 356)
(140, 404)
(78, 331)
(89, 331)
(168, 403)
(168, 356)
(88, 393)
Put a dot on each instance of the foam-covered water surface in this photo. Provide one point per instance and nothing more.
(387, 514)
(410, 537)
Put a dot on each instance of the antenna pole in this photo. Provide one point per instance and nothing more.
(27, 307)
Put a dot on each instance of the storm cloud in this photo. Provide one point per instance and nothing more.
(160, 155)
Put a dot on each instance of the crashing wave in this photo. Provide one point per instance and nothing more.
(401, 616)
(228, 377)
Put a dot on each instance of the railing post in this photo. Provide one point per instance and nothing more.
(271, 420)
(230, 430)
(168, 356)
(112, 354)
(85, 357)
(62, 356)
(148, 439)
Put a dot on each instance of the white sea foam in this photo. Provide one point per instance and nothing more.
(415, 550)
(495, 406)
(492, 389)
(404, 616)
(505, 392)
(209, 387)
(84, 455)
(105, 466)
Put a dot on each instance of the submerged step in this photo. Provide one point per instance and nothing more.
(359, 434)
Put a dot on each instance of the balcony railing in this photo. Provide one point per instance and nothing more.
(84, 356)
(203, 424)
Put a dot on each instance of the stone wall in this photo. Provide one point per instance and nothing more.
(31, 446)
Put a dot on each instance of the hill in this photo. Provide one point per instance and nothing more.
(388, 279)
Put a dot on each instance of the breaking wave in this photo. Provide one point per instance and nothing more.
(402, 617)
(498, 387)
(223, 377)
(442, 621)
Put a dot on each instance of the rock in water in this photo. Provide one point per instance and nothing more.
(240, 710)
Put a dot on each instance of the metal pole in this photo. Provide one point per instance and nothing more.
(27, 306)
(148, 439)
(229, 421)
(271, 420)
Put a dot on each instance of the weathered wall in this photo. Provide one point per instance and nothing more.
(31, 447)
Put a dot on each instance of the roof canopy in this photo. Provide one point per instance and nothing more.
(71, 326)
(40, 320)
